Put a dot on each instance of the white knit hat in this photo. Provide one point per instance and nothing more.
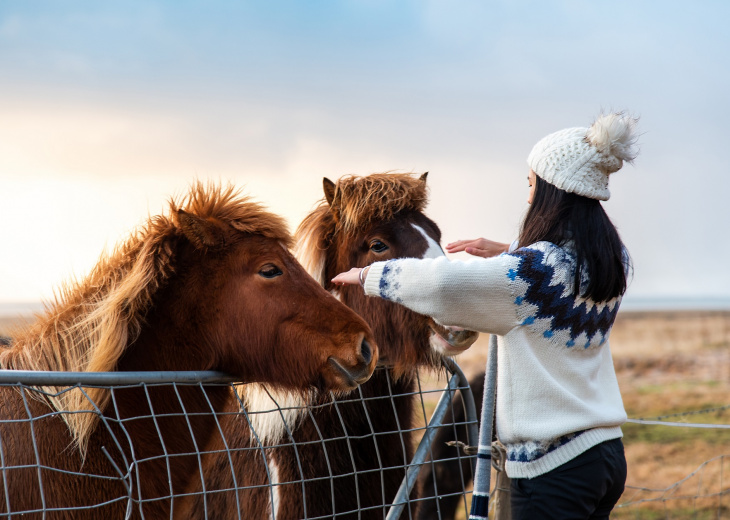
(579, 160)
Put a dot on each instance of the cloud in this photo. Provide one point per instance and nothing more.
(135, 100)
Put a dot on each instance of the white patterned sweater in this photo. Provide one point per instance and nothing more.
(557, 394)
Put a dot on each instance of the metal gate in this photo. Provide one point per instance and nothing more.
(433, 404)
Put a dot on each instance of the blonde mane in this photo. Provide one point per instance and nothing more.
(357, 203)
(89, 325)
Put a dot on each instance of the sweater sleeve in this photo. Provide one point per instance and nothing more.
(473, 294)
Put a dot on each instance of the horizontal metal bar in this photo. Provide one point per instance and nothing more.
(50, 378)
(53, 378)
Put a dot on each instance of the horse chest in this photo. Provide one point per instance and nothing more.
(349, 455)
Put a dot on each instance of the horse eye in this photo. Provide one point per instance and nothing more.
(377, 246)
(270, 271)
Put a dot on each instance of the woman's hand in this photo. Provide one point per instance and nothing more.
(351, 277)
(478, 247)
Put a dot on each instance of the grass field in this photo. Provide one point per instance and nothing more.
(668, 364)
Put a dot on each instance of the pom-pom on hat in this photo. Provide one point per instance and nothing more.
(579, 160)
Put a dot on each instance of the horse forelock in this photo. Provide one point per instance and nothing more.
(91, 321)
(360, 201)
(226, 204)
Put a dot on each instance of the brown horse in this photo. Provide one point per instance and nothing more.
(349, 452)
(210, 286)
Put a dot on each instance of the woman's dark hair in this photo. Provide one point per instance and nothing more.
(559, 217)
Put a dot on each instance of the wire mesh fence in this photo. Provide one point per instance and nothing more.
(200, 445)
(703, 493)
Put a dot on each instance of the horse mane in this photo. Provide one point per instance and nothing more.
(357, 203)
(91, 321)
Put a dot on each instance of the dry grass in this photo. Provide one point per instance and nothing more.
(667, 363)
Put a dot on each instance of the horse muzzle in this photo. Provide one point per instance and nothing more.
(450, 341)
(348, 378)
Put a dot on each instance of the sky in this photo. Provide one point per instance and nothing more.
(109, 109)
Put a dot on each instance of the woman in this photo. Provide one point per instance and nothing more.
(551, 298)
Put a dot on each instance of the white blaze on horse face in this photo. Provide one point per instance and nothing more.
(434, 249)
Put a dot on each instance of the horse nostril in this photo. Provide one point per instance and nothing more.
(366, 351)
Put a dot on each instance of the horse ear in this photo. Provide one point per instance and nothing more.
(422, 178)
(200, 232)
(329, 190)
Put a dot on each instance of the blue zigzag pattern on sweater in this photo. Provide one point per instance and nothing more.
(550, 302)
(530, 451)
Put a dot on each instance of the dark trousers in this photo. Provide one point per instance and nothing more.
(586, 487)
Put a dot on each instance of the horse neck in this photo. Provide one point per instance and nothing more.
(165, 428)
(188, 411)
(166, 424)
(163, 344)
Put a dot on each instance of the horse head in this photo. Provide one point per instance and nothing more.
(239, 302)
(367, 219)
(209, 286)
